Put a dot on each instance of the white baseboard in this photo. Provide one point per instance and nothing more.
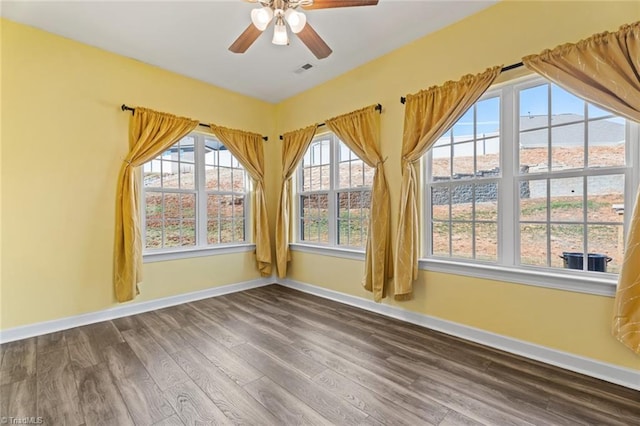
(124, 310)
(587, 366)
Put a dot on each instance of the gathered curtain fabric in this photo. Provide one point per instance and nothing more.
(248, 149)
(294, 145)
(150, 134)
(604, 69)
(360, 131)
(428, 115)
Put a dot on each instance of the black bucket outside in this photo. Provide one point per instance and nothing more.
(596, 262)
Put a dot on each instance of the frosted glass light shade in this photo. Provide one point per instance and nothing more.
(296, 20)
(261, 17)
(280, 36)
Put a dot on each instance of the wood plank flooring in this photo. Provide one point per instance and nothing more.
(275, 356)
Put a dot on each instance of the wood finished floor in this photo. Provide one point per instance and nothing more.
(275, 356)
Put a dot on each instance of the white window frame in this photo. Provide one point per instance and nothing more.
(201, 248)
(330, 248)
(507, 267)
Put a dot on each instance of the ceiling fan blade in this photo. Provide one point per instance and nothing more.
(327, 4)
(245, 40)
(314, 42)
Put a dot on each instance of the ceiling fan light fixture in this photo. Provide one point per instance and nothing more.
(280, 36)
(296, 20)
(261, 17)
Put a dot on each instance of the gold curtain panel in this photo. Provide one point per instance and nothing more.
(248, 150)
(150, 134)
(427, 116)
(360, 131)
(605, 70)
(294, 145)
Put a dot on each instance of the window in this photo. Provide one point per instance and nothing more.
(531, 177)
(334, 194)
(194, 197)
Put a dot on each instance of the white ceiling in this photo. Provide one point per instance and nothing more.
(191, 37)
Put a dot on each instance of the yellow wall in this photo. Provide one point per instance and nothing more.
(571, 322)
(63, 140)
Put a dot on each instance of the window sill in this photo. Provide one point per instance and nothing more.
(164, 255)
(559, 280)
(343, 253)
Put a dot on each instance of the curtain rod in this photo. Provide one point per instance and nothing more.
(127, 108)
(507, 68)
(378, 108)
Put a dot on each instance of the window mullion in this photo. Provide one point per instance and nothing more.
(333, 193)
(201, 196)
(509, 186)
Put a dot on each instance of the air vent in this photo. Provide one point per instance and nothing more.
(303, 68)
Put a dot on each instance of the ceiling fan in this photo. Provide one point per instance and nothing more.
(285, 12)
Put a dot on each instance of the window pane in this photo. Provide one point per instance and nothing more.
(308, 206)
(440, 203)
(567, 146)
(533, 200)
(462, 202)
(488, 156)
(462, 239)
(486, 202)
(188, 232)
(172, 233)
(566, 202)
(153, 219)
(607, 142)
(463, 129)
(211, 178)
(594, 112)
(153, 234)
(187, 149)
(225, 175)
(441, 163)
(487, 241)
(213, 231)
(315, 214)
(565, 107)
(353, 218)
(357, 174)
(463, 159)
(565, 238)
(188, 206)
(213, 218)
(440, 239)
(170, 174)
(225, 158)
(606, 241)
(534, 150)
(488, 117)
(533, 244)
(306, 179)
(239, 235)
(605, 198)
(534, 107)
(238, 180)
(226, 231)
(152, 174)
